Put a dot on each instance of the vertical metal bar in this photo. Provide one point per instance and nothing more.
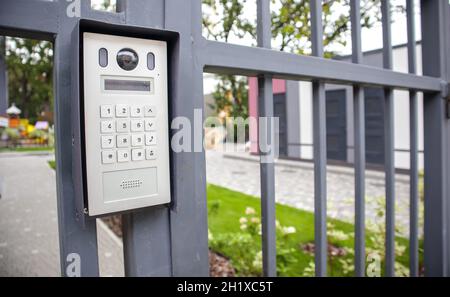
(188, 216)
(447, 76)
(3, 77)
(267, 170)
(360, 145)
(434, 16)
(414, 169)
(320, 147)
(147, 231)
(153, 9)
(389, 161)
(78, 245)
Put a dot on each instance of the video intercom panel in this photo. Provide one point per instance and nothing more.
(124, 122)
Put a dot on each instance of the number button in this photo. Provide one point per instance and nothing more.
(137, 139)
(123, 141)
(138, 154)
(108, 157)
(150, 154)
(107, 127)
(149, 111)
(122, 110)
(136, 111)
(137, 125)
(123, 156)
(150, 125)
(123, 126)
(108, 141)
(106, 111)
(150, 138)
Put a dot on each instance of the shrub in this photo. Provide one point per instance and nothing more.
(245, 246)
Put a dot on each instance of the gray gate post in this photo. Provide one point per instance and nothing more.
(78, 246)
(188, 218)
(434, 55)
(3, 77)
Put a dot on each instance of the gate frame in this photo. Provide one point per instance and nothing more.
(159, 241)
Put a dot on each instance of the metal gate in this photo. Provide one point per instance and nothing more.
(163, 241)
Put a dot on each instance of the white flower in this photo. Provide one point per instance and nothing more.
(243, 220)
(257, 262)
(243, 227)
(255, 220)
(250, 211)
(277, 224)
(338, 235)
(289, 230)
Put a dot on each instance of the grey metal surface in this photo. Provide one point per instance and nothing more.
(360, 145)
(414, 143)
(220, 57)
(3, 78)
(74, 238)
(434, 54)
(389, 160)
(266, 136)
(320, 147)
(188, 217)
(31, 19)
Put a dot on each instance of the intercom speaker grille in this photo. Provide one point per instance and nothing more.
(131, 184)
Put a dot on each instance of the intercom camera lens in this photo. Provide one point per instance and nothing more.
(127, 59)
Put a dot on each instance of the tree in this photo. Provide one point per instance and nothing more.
(290, 32)
(30, 75)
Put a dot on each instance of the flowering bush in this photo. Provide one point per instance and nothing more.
(375, 250)
(246, 244)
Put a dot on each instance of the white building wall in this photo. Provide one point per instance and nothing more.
(401, 112)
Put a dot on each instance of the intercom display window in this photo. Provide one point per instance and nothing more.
(125, 122)
(117, 84)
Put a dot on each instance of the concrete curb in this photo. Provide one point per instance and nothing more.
(370, 174)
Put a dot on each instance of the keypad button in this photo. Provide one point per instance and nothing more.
(122, 110)
(137, 125)
(149, 111)
(108, 141)
(123, 156)
(107, 126)
(123, 141)
(138, 154)
(137, 139)
(150, 125)
(150, 138)
(150, 153)
(106, 111)
(108, 157)
(123, 126)
(137, 111)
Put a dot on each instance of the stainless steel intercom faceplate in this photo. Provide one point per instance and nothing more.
(125, 125)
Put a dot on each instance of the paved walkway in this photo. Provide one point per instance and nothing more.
(294, 185)
(28, 221)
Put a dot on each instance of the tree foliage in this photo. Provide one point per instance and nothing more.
(30, 75)
(291, 32)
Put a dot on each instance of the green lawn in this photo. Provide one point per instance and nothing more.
(52, 164)
(226, 207)
(26, 149)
